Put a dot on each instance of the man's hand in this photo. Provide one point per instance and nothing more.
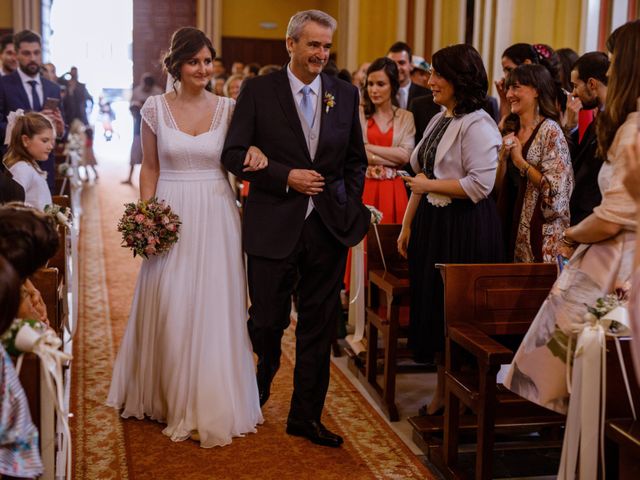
(574, 105)
(56, 118)
(308, 182)
(254, 160)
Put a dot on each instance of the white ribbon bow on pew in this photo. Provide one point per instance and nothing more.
(584, 430)
(46, 346)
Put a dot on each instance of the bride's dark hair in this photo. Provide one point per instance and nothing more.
(186, 42)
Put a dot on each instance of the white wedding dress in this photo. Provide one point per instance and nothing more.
(186, 358)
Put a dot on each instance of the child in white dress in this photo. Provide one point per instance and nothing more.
(31, 140)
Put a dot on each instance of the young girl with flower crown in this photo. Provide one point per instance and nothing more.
(31, 139)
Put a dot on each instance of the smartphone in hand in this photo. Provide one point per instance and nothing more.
(51, 103)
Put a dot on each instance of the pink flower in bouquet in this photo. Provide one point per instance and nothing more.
(149, 227)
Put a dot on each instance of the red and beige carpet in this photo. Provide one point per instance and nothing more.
(105, 446)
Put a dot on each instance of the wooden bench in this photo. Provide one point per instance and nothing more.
(387, 315)
(485, 303)
(623, 448)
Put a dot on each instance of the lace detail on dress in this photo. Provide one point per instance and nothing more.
(218, 114)
(149, 113)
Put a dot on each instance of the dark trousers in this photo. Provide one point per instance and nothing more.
(314, 269)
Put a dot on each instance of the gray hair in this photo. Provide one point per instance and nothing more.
(297, 22)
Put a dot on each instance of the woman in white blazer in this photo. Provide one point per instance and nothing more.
(450, 217)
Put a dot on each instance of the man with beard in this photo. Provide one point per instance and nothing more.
(589, 80)
(25, 89)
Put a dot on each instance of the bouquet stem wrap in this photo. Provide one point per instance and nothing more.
(584, 430)
(46, 346)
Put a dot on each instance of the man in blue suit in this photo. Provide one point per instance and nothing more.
(25, 88)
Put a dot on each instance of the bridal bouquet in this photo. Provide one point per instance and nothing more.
(149, 227)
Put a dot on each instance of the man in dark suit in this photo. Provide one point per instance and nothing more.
(25, 88)
(589, 80)
(400, 53)
(303, 210)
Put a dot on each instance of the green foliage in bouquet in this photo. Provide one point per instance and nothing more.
(149, 227)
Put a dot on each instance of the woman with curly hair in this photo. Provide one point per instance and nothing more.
(450, 217)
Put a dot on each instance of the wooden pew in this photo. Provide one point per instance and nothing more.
(41, 405)
(387, 314)
(484, 304)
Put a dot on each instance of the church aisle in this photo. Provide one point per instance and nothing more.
(108, 447)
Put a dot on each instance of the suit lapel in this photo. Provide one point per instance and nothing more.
(327, 114)
(22, 94)
(285, 97)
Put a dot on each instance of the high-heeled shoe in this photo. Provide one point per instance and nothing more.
(423, 412)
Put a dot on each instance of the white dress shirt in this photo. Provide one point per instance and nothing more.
(296, 88)
(27, 86)
(403, 96)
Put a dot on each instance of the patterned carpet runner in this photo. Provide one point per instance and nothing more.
(109, 447)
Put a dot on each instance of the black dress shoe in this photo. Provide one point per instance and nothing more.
(314, 431)
(264, 377)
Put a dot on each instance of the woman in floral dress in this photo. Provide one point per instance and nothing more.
(534, 180)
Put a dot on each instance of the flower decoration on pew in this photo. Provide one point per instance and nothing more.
(376, 215)
(62, 215)
(8, 338)
(65, 169)
(149, 227)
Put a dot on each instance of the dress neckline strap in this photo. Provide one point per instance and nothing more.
(175, 126)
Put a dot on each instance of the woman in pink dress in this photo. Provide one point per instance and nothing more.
(632, 182)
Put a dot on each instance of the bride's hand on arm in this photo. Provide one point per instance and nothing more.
(255, 160)
(150, 169)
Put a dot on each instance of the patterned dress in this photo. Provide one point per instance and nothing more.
(534, 218)
(19, 454)
(539, 370)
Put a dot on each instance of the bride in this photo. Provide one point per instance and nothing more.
(186, 358)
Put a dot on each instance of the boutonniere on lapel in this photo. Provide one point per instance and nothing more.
(329, 101)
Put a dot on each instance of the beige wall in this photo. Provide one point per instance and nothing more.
(376, 28)
(242, 18)
(6, 14)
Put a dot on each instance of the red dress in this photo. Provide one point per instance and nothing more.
(383, 189)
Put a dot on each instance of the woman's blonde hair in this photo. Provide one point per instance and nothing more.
(29, 124)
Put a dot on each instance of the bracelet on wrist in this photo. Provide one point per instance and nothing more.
(568, 242)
